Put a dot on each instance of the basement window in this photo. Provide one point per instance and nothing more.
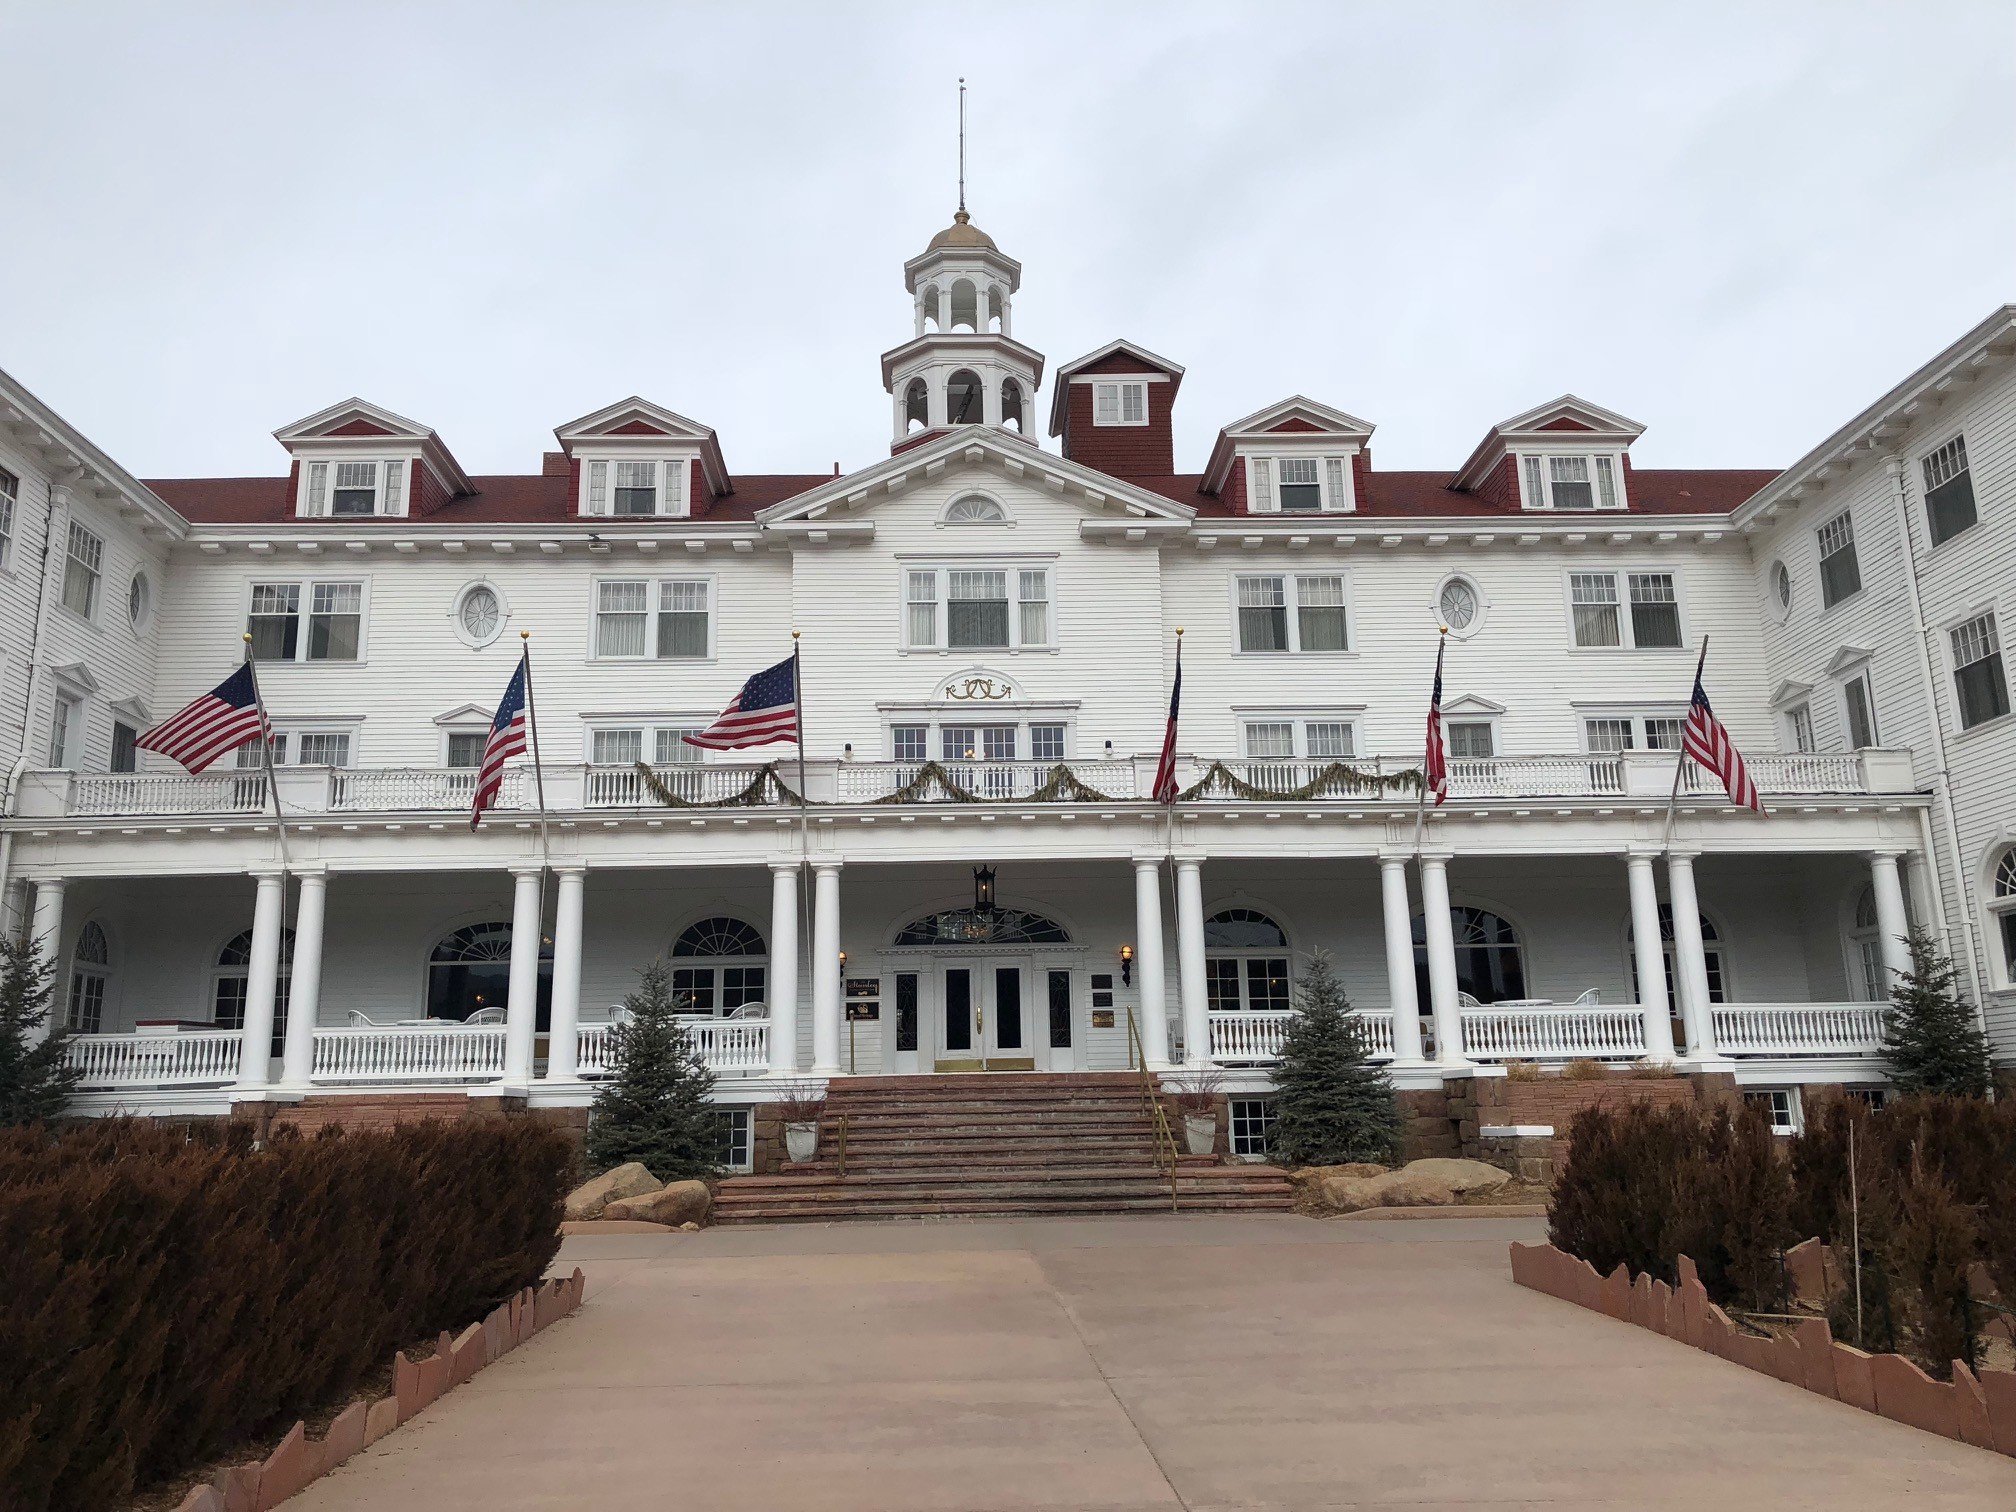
(735, 1145)
(1252, 1127)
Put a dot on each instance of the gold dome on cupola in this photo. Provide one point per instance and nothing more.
(962, 233)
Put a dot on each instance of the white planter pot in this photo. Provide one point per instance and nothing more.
(1200, 1132)
(801, 1141)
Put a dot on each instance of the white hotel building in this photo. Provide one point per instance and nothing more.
(1011, 612)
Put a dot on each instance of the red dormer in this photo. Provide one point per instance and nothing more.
(639, 460)
(1295, 457)
(1568, 454)
(1111, 407)
(354, 461)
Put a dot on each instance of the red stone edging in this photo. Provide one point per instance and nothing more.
(1975, 1409)
(297, 1459)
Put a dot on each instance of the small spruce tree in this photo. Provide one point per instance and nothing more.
(654, 1107)
(35, 1079)
(1333, 1105)
(1932, 1042)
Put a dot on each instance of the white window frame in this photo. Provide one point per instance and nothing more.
(462, 595)
(140, 617)
(1849, 681)
(391, 486)
(65, 753)
(1840, 526)
(304, 611)
(10, 495)
(1250, 1122)
(1485, 722)
(673, 482)
(1638, 717)
(1114, 398)
(1299, 721)
(657, 737)
(940, 570)
(1292, 581)
(934, 724)
(1954, 665)
(1620, 582)
(1937, 468)
(1780, 606)
(1799, 728)
(450, 733)
(288, 739)
(1336, 486)
(1478, 615)
(1793, 1117)
(655, 585)
(92, 563)
(1606, 481)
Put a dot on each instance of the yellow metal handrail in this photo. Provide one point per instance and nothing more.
(1151, 1096)
(841, 1161)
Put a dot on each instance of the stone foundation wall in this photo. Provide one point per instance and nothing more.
(1477, 1103)
(389, 1110)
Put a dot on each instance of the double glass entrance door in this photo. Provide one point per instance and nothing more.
(983, 1014)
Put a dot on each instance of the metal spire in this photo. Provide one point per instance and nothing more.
(962, 147)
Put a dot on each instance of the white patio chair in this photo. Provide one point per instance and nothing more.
(1465, 1000)
(1588, 999)
(618, 1014)
(751, 1011)
(358, 1020)
(486, 1016)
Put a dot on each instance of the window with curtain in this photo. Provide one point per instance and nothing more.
(228, 985)
(83, 567)
(1978, 678)
(977, 607)
(1949, 492)
(1840, 571)
(1319, 621)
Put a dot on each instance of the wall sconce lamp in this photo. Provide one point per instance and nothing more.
(1127, 965)
(847, 751)
(1109, 750)
(843, 960)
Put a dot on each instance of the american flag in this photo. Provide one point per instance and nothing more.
(1165, 769)
(1435, 764)
(225, 718)
(1708, 742)
(766, 710)
(507, 739)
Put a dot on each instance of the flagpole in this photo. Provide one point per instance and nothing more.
(804, 841)
(1169, 855)
(1421, 796)
(532, 725)
(266, 752)
(1680, 756)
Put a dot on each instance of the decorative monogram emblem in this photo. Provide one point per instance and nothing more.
(984, 689)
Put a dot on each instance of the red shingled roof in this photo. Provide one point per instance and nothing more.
(499, 499)
(1427, 495)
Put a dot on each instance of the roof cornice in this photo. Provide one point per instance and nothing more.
(78, 463)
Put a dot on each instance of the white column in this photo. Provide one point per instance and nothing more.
(46, 931)
(521, 1010)
(1648, 950)
(304, 993)
(1440, 944)
(1400, 987)
(262, 979)
(1196, 1003)
(1690, 960)
(826, 968)
(563, 1039)
(944, 307)
(784, 968)
(1892, 922)
(1148, 969)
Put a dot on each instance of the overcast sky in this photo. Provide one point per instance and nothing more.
(1737, 224)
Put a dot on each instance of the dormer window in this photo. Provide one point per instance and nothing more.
(1569, 481)
(634, 487)
(349, 490)
(1298, 484)
(1120, 403)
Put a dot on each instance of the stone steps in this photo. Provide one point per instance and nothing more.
(1005, 1144)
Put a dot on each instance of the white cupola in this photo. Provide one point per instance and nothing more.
(962, 366)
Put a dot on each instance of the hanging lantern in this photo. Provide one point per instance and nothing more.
(983, 891)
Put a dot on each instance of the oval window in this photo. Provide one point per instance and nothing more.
(1781, 586)
(479, 614)
(139, 600)
(1459, 604)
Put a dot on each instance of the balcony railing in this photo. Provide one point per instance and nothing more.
(730, 1047)
(1799, 1028)
(1368, 780)
(409, 1053)
(179, 1058)
(1245, 1037)
(1567, 1033)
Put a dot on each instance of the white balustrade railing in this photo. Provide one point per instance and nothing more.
(382, 790)
(409, 1053)
(729, 1046)
(1799, 1028)
(1593, 776)
(1564, 1033)
(694, 782)
(179, 1058)
(1245, 1037)
(995, 781)
(151, 793)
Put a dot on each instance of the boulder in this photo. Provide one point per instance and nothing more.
(1463, 1177)
(680, 1203)
(1419, 1183)
(1313, 1177)
(591, 1197)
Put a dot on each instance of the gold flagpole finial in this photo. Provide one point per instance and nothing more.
(247, 637)
(524, 635)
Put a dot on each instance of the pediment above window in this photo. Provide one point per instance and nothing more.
(1471, 706)
(637, 428)
(1847, 659)
(462, 714)
(75, 676)
(1790, 691)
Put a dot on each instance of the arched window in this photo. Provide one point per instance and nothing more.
(470, 970)
(1490, 960)
(90, 967)
(228, 985)
(927, 305)
(2002, 904)
(1011, 405)
(1711, 951)
(916, 406)
(718, 966)
(997, 309)
(1245, 962)
(965, 306)
(965, 401)
(973, 926)
(975, 509)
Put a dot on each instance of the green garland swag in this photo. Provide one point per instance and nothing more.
(764, 789)
(1336, 780)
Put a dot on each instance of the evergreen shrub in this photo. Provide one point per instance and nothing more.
(171, 1293)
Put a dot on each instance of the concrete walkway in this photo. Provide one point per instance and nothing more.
(1204, 1363)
